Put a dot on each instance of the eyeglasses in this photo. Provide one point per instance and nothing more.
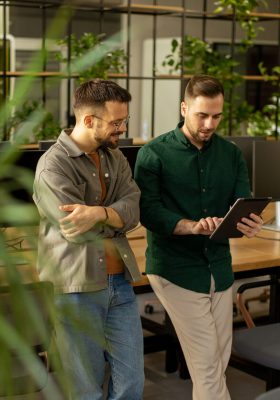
(116, 124)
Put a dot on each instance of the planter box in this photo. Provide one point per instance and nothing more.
(46, 144)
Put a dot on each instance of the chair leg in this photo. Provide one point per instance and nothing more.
(273, 379)
(183, 369)
(171, 360)
(175, 360)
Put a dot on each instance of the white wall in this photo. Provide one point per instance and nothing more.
(167, 93)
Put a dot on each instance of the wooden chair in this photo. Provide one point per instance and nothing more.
(26, 318)
(259, 344)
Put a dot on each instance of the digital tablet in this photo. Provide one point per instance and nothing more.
(243, 207)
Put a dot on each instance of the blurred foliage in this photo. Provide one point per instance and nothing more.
(46, 128)
(109, 59)
(17, 217)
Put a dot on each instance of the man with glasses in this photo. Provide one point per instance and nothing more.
(87, 201)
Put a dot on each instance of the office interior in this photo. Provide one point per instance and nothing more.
(34, 77)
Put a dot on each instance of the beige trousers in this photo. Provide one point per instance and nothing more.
(203, 323)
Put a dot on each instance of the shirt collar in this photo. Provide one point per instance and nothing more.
(70, 147)
(67, 143)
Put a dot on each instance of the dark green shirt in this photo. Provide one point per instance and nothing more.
(179, 181)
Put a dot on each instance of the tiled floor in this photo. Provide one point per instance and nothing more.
(162, 386)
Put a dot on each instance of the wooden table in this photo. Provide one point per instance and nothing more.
(259, 252)
(247, 254)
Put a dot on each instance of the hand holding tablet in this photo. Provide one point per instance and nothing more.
(243, 207)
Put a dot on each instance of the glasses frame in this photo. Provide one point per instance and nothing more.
(116, 125)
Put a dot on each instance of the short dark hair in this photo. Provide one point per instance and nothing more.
(203, 85)
(96, 92)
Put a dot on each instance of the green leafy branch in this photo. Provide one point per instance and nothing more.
(107, 59)
(242, 10)
(264, 122)
(200, 57)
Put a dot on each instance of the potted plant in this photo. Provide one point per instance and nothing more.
(45, 128)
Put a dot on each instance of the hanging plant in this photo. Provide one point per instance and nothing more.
(242, 10)
(103, 58)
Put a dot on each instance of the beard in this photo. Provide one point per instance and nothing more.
(196, 137)
(110, 143)
(196, 134)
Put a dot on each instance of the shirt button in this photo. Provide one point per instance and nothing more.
(93, 174)
(204, 190)
(100, 259)
(201, 170)
(106, 175)
(205, 210)
(96, 198)
(125, 256)
(206, 249)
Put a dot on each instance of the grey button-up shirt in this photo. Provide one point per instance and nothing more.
(66, 175)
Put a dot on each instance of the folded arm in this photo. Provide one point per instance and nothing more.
(82, 218)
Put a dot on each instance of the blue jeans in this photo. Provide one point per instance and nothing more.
(95, 327)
